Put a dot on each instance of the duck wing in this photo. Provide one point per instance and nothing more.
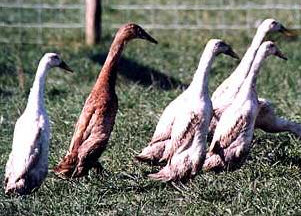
(83, 126)
(164, 126)
(183, 132)
(35, 154)
(228, 129)
(27, 158)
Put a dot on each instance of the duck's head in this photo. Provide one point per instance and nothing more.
(220, 46)
(55, 60)
(272, 25)
(270, 48)
(131, 31)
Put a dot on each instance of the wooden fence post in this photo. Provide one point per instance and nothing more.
(93, 21)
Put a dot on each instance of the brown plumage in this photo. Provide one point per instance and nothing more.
(97, 118)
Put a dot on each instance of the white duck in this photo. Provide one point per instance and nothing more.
(187, 119)
(234, 132)
(27, 165)
(170, 119)
(225, 93)
(268, 121)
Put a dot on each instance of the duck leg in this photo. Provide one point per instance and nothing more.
(98, 167)
(268, 121)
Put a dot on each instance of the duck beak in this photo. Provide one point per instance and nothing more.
(64, 66)
(146, 36)
(280, 55)
(231, 53)
(287, 32)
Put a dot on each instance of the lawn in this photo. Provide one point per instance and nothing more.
(150, 76)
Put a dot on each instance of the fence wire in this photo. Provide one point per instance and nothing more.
(37, 22)
(52, 21)
(201, 14)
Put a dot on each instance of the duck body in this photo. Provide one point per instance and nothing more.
(92, 132)
(185, 152)
(185, 107)
(97, 118)
(27, 165)
(233, 135)
(268, 120)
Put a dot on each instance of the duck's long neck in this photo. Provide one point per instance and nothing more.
(36, 96)
(199, 83)
(108, 74)
(245, 64)
(249, 84)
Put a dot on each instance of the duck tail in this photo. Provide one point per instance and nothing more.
(23, 186)
(17, 187)
(213, 162)
(163, 175)
(152, 153)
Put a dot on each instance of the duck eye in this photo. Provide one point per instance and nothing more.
(55, 57)
(222, 44)
(139, 32)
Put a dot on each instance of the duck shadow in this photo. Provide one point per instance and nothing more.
(5, 93)
(296, 161)
(285, 160)
(141, 74)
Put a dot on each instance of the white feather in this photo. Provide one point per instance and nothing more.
(27, 165)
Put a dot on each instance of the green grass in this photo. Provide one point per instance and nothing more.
(268, 184)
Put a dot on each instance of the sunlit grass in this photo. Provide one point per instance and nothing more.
(268, 184)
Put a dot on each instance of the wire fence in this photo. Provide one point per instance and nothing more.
(201, 14)
(37, 22)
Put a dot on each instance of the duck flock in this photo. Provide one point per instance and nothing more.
(179, 145)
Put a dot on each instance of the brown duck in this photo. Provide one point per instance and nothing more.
(97, 118)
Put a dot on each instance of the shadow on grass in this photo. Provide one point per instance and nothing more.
(5, 93)
(55, 93)
(282, 155)
(286, 160)
(296, 161)
(142, 74)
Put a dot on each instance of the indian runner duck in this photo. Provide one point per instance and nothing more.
(27, 165)
(96, 121)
